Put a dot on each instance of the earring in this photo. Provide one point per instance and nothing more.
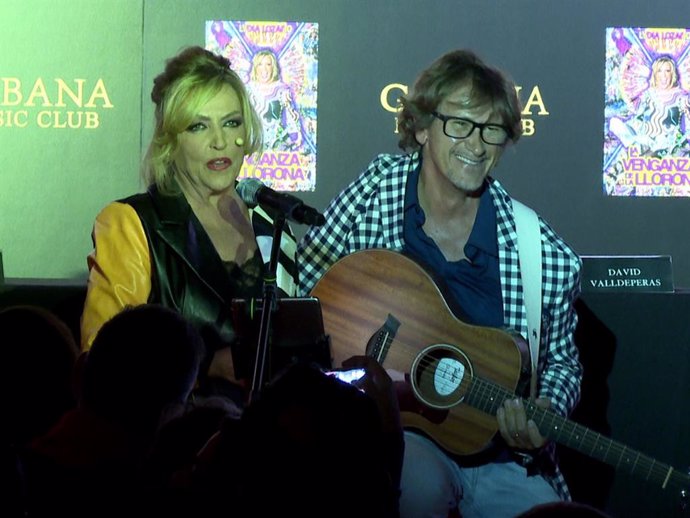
(239, 141)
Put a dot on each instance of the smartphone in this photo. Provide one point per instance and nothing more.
(346, 375)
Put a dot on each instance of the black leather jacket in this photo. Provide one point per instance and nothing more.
(187, 272)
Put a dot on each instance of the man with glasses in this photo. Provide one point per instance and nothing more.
(439, 205)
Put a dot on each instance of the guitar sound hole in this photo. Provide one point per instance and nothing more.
(440, 375)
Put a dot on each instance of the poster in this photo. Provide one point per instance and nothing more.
(647, 112)
(278, 63)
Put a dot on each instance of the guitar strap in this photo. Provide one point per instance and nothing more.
(529, 252)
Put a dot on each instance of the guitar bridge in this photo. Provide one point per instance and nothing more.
(380, 341)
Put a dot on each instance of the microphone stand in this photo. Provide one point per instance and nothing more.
(269, 306)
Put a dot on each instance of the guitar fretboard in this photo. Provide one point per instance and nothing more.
(488, 397)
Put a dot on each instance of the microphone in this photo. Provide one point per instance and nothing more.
(254, 192)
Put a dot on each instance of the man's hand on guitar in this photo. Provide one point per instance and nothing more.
(515, 429)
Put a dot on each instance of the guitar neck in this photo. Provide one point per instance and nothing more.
(488, 397)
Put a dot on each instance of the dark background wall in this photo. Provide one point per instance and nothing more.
(553, 44)
(48, 202)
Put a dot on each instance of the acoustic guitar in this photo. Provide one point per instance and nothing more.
(384, 304)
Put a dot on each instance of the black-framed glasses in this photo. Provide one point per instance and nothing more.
(457, 127)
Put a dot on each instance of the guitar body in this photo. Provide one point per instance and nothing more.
(451, 376)
(381, 303)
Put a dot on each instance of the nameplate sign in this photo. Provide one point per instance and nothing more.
(627, 273)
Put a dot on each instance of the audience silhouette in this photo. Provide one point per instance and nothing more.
(138, 443)
(39, 354)
(138, 374)
(311, 445)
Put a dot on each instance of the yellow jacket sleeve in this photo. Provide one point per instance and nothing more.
(119, 268)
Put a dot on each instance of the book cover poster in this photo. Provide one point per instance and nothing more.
(647, 112)
(278, 63)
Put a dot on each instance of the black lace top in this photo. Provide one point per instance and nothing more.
(246, 281)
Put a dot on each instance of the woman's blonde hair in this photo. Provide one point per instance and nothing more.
(275, 72)
(189, 81)
(656, 66)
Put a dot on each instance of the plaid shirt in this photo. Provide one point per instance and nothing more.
(369, 214)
